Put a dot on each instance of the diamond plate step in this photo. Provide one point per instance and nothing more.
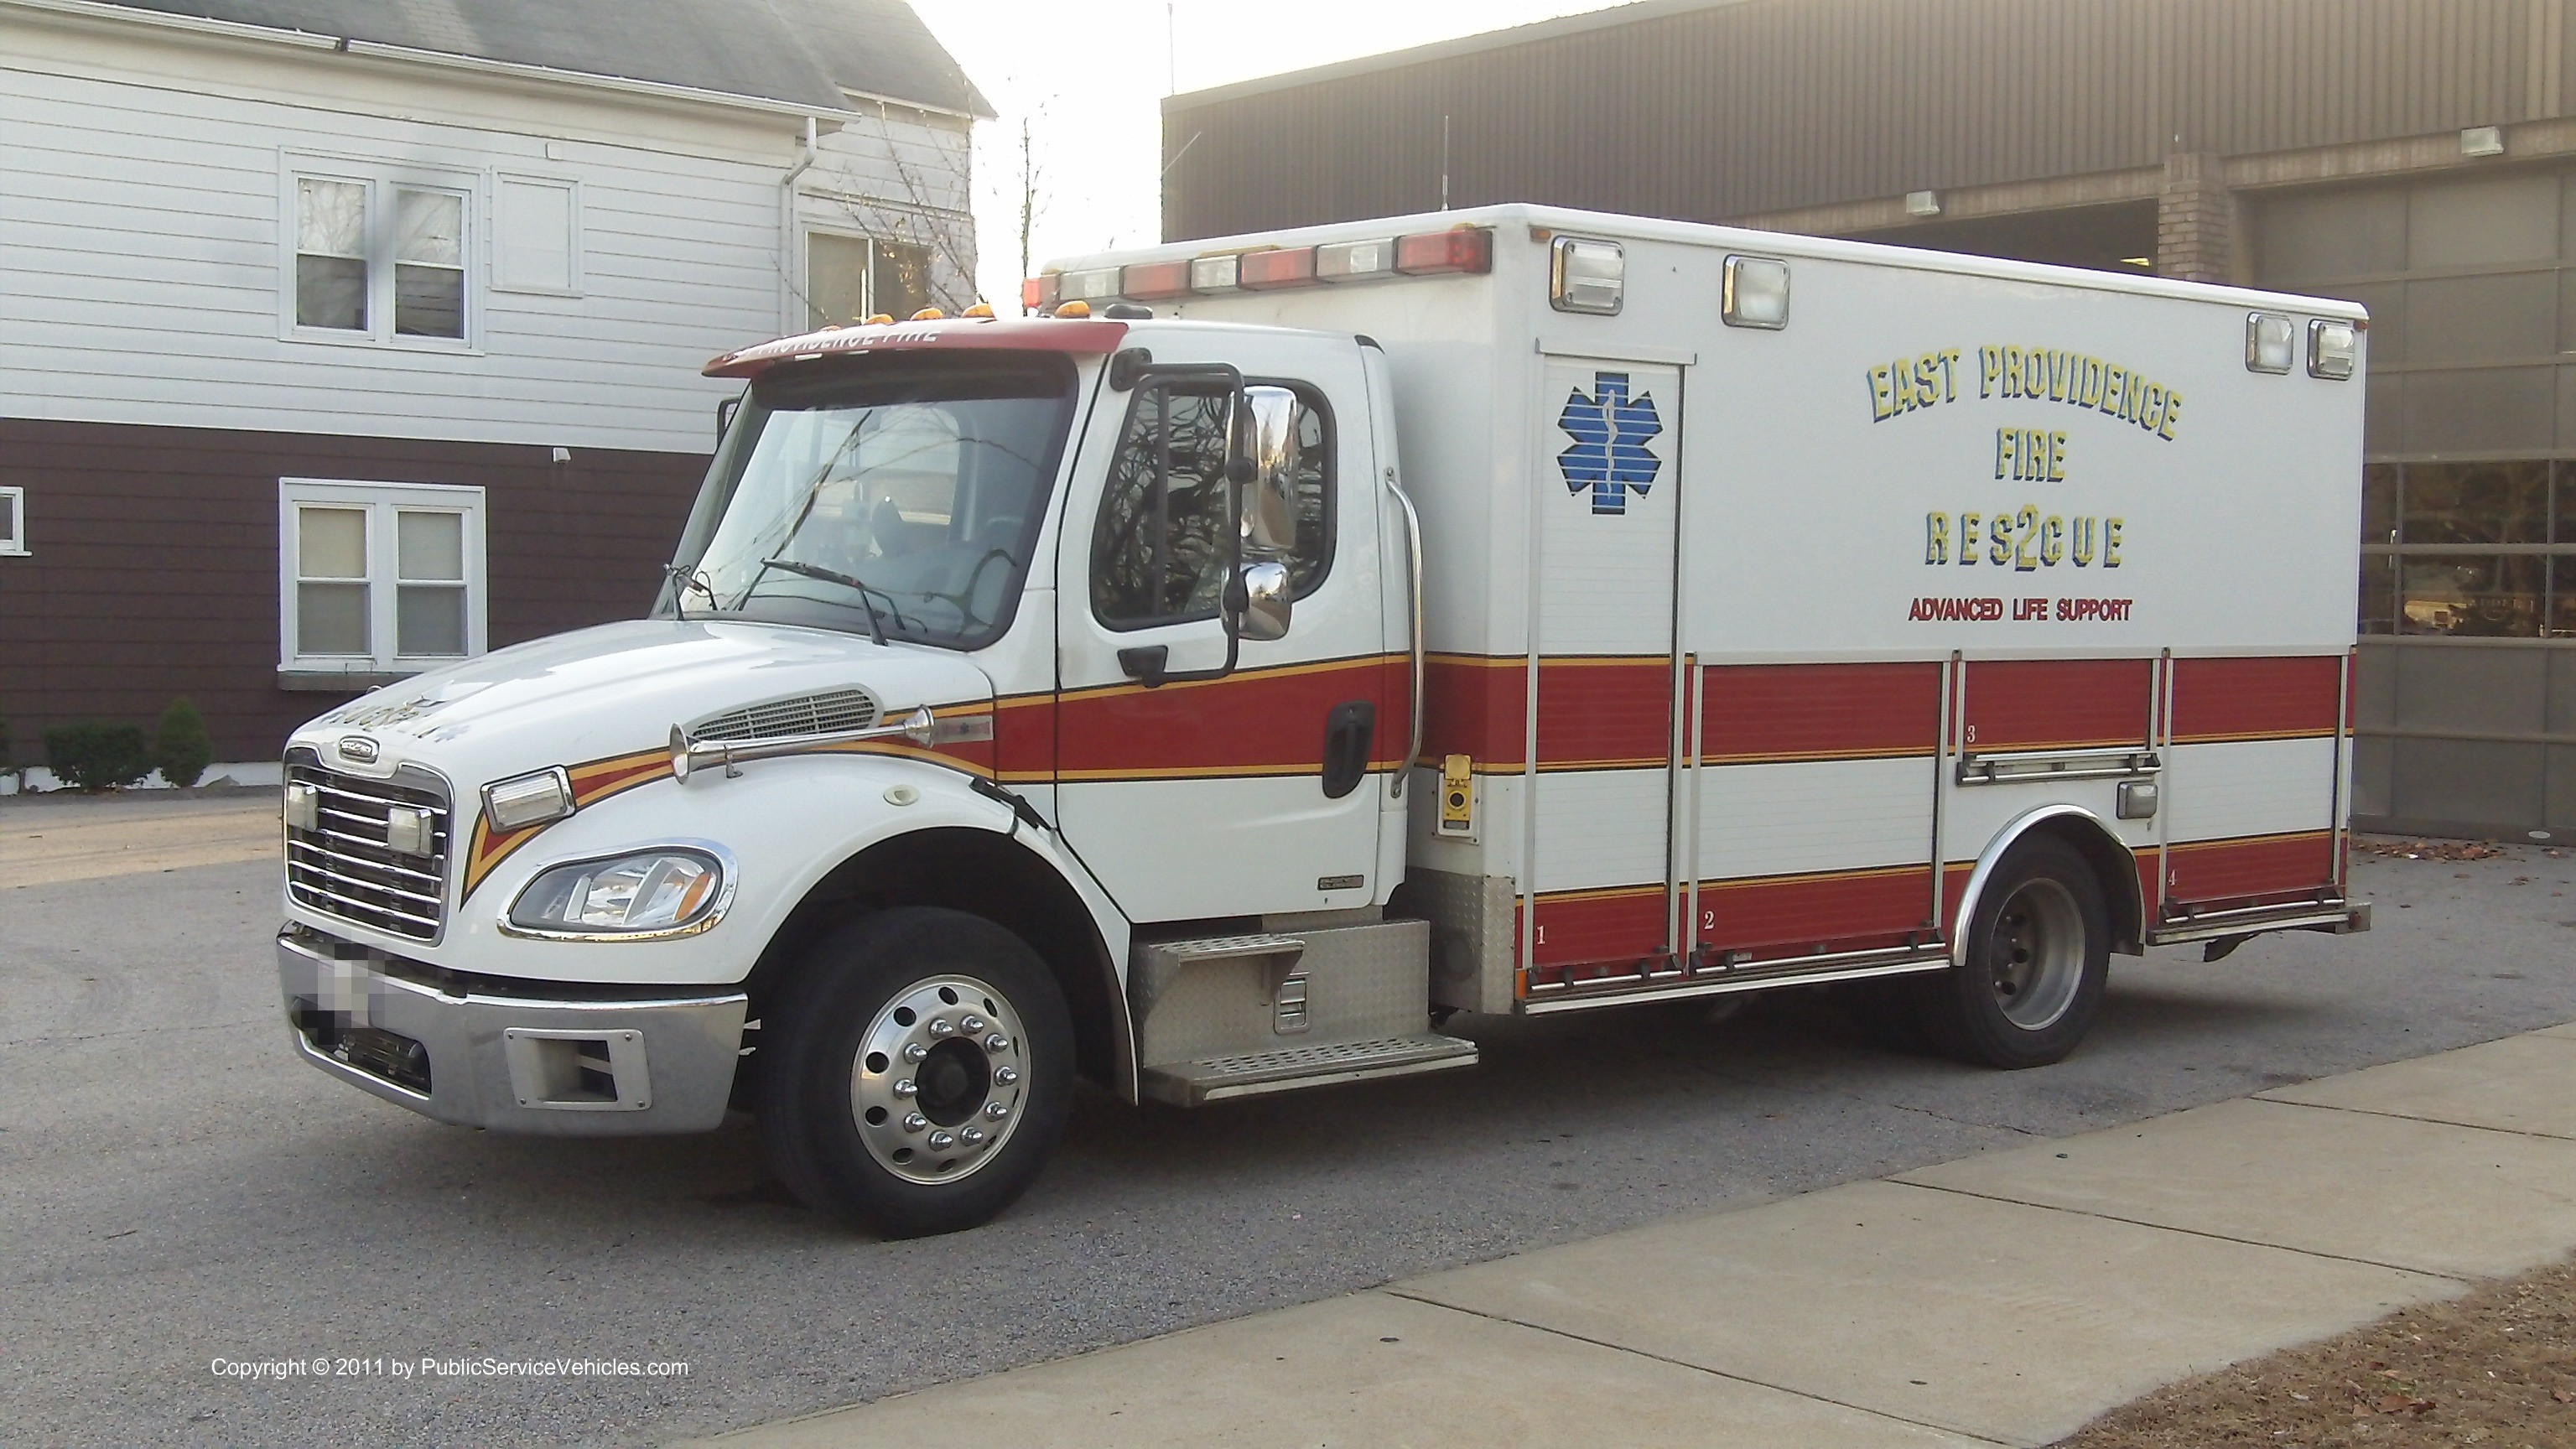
(1249, 1074)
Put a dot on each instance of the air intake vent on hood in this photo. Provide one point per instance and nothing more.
(809, 714)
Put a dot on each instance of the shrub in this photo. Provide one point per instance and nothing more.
(181, 746)
(92, 757)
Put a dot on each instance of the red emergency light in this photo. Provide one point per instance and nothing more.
(1464, 249)
(1283, 267)
(1155, 281)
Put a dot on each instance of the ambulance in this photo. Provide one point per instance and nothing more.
(1220, 680)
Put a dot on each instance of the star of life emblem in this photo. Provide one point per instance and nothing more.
(1610, 431)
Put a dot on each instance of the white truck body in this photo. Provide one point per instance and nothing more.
(1748, 655)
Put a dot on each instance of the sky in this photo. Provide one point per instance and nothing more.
(1089, 77)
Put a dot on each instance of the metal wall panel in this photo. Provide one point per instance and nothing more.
(1733, 109)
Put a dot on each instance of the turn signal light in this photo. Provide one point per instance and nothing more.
(928, 314)
(1075, 308)
(880, 320)
(980, 309)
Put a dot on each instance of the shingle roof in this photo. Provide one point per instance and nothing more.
(806, 52)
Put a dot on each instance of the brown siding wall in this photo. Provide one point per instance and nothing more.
(1769, 105)
(154, 562)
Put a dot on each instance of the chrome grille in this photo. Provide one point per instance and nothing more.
(343, 868)
(811, 714)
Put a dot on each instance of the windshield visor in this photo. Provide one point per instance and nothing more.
(895, 495)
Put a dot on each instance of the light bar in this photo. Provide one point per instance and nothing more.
(1354, 261)
(1462, 249)
(1468, 249)
(1284, 267)
(1155, 281)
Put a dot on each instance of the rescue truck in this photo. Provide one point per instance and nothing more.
(1210, 684)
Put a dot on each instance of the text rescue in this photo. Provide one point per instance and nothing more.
(2025, 539)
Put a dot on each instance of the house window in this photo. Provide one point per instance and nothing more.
(379, 258)
(378, 578)
(13, 522)
(851, 278)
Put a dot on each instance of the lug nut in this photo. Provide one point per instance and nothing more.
(941, 1141)
(905, 1087)
(1006, 1075)
(972, 1136)
(915, 1052)
(914, 1122)
(940, 1026)
(997, 1110)
(997, 1043)
(970, 1024)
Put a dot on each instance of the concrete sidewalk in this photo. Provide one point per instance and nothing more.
(2001, 1299)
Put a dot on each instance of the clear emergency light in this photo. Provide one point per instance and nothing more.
(1585, 275)
(1460, 250)
(1755, 293)
(2270, 339)
(2333, 347)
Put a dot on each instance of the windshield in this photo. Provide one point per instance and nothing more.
(895, 496)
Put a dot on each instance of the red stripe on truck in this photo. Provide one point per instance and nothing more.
(2055, 704)
(2256, 699)
(1767, 712)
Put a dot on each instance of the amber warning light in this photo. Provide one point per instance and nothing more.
(1465, 249)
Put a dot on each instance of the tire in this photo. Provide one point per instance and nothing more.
(2039, 953)
(953, 1138)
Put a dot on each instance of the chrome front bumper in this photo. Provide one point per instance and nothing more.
(510, 1063)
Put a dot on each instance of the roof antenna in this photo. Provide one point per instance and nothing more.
(1444, 162)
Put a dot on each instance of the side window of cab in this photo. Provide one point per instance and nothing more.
(1158, 551)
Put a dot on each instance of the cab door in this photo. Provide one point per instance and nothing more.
(1257, 792)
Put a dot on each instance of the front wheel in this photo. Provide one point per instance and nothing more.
(924, 1067)
(2039, 952)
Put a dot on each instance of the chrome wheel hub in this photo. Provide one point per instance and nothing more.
(937, 1084)
(2036, 958)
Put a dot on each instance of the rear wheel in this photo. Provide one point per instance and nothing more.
(924, 1067)
(2039, 953)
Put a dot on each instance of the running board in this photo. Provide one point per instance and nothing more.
(1289, 1069)
(2340, 919)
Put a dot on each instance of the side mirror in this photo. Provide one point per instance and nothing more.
(1261, 601)
(1270, 495)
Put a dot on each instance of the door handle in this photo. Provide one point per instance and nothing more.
(1145, 662)
(1349, 730)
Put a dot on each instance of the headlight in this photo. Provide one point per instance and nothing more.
(669, 891)
(528, 800)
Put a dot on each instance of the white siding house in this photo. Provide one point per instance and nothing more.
(338, 338)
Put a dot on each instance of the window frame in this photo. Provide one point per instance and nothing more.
(382, 181)
(497, 276)
(382, 502)
(2554, 552)
(13, 507)
(805, 312)
(1318, 403)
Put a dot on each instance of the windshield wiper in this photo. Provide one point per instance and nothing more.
(835, 576)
